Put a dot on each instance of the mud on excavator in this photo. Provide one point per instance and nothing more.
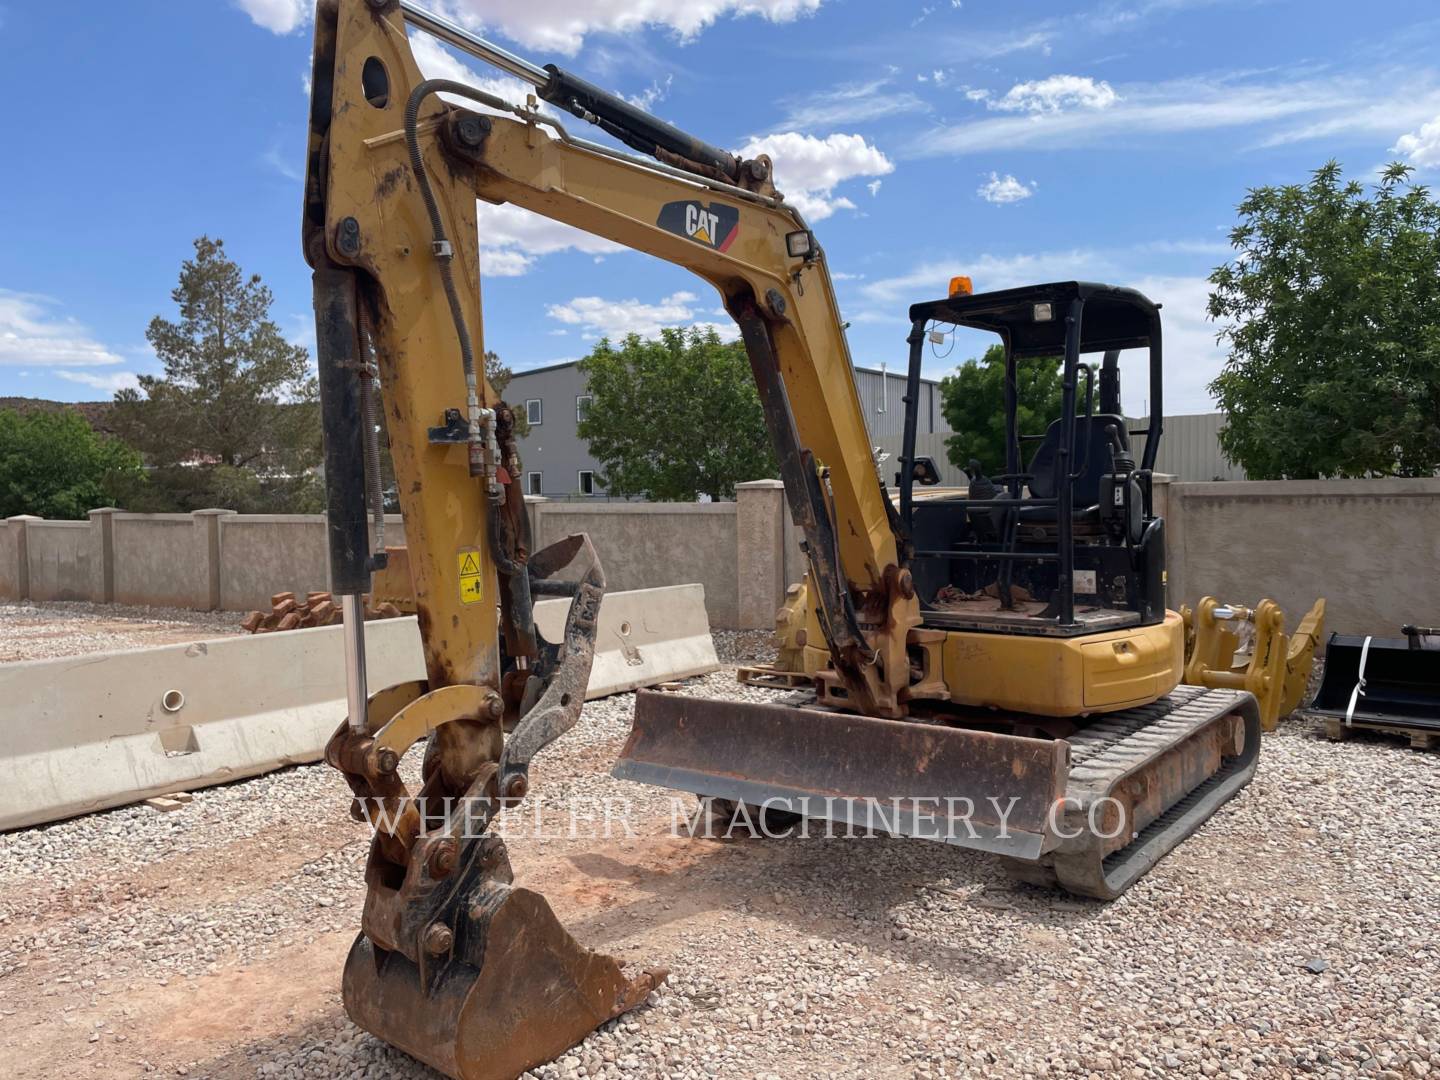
(1048, 729)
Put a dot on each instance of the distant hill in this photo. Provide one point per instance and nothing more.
(96, 413)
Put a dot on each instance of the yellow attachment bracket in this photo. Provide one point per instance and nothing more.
(1301, 657)
(1215, 659)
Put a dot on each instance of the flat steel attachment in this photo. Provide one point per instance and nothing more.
(1090, 813)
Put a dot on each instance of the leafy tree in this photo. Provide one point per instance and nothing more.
(54, 465)
(234, 420)
(973, 401)
(1331, 309)
(499, 376)
(675, 417)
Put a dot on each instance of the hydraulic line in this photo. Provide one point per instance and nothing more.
(481, 447)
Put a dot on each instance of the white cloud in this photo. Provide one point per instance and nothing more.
(989, 272)
(808, 169)
(1282, 112)
(32, 335)
(1004, 189)
(850, 103)
(511, 238)
(874, 187)
(276, 159)
(108, 382)
(560, 25)
(1421, 148)
(1192, 358)
(1055, 94)
(597, 317)
(278, 16)
(437, 62)
(653, 94)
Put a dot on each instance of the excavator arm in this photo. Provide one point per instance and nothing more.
(454, 964)
(396, 172)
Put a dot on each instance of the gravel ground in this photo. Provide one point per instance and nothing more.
(1295, 934)
(41, 630)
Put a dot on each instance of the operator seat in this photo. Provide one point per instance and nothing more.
(1092, 459)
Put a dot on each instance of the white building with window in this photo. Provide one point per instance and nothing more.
(554, 399)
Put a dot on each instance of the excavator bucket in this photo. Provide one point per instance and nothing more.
(1383, 682)
(519, 991)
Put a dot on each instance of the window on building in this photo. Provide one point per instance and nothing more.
(582, 407)
(533, 483)
(587, 482)
(532, 410)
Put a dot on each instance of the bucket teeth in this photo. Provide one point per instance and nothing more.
(516, 990)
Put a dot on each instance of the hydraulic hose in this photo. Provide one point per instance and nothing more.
(481, 461)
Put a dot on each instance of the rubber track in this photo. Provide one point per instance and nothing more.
(1119, 744)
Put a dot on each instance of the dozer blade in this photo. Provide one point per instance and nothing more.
(518, 992)
(1091, 813)
(977, 789)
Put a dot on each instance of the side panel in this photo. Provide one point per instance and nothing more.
(1052, 676)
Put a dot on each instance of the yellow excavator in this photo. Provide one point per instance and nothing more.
(999, 672)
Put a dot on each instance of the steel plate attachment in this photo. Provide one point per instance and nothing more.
(976, 789)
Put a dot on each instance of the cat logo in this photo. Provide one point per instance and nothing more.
(713, 224)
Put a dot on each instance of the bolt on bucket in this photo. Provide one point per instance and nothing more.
(1388, 681)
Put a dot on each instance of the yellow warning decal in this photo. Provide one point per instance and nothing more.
(470, 588)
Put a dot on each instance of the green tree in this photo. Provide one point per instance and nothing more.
(499, 376)
(234, 420)
(1331, 309)
(973, 401)
(675, 417)
(54, 465)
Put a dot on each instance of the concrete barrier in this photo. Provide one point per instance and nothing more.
(86, 733)
(645, 636)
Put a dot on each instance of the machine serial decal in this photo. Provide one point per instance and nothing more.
(713, 224)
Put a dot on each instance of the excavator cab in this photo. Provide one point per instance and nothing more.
(1062, 539)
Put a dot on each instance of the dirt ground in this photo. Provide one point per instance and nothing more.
(1296, 934)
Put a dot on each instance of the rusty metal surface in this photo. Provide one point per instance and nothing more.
(501, 989)
(976, 789)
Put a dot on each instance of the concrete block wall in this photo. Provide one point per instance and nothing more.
(161, 560)
(250, 573)
(1370, 547)
(643, 545)
(62, 562)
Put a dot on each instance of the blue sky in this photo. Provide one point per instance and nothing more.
(1013, 141)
